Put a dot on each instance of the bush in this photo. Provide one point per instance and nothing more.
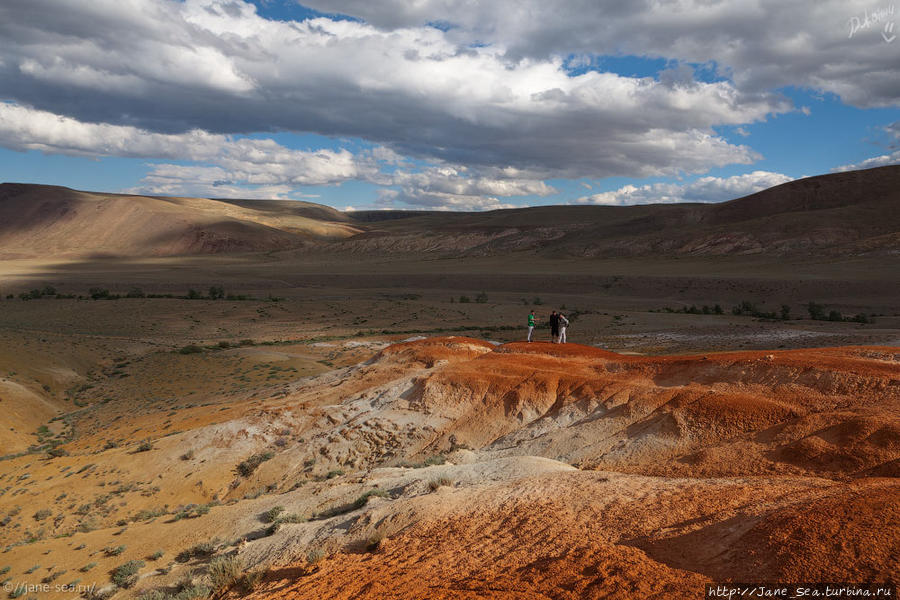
(216, 292)
(434, 484)
(225, 571)
(315, 555)
(190, 349)
(247, 467)
(481, 298)
(202, 550)
(42, 514)
(125, 575)
(156, 555)
(785, 312)
(835, 315)
(145, 447)
(435, 459)
(271, 515)
(334, 473)
(194, 294)
(98, 293)
(135, 292)
(816, 311)
(464, 300)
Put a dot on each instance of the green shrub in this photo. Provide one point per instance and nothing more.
(42, 514)
(88, 567)
(481, 298)
(464, 300)
(125, 575)
(315, 555)
(156, 555)
(145, 447)
(190, 349)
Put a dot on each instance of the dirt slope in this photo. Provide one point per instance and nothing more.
(52, 221)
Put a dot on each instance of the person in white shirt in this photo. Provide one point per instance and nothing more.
(563, 323)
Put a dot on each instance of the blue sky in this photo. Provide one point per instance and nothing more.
(364, 105)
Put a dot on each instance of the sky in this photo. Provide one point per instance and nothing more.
(446, 104)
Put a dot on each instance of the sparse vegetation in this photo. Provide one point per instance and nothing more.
(202, 550)
(272, 514)
(125, 575)
(434, 484)
(88, 567)
(114, 551)
(247, 467)
(225, 571)
(190, 349)
(315, 555)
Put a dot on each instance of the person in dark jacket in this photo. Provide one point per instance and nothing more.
(554, 327)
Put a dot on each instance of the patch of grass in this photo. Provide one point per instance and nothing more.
(202, 550)
(436, 459)
(315, 555)
(156, 555)
(225, 571)
(271, 515)
(434, 484)
(110, 551)
(125, 575)
(88, 567)
(334, 473)
(145, 447)
(250, 581)
(42, 514)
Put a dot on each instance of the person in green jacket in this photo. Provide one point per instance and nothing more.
(530, 325)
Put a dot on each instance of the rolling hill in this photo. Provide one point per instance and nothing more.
(851, 213)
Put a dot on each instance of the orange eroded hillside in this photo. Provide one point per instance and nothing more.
(453, 467)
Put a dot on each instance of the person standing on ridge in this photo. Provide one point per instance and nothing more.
(554, 327)
(530, 325)
(563, 323)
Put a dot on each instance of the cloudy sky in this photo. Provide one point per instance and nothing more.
(446, 104)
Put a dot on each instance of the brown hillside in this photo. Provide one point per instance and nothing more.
(54, 221)
(845, 214)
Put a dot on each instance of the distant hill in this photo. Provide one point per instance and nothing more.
(852, 213)
(39, 220)
(843, 213)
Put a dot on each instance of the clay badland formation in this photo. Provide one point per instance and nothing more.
(319, 432)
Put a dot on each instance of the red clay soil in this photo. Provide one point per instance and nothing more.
(793, 416)
(536, 551)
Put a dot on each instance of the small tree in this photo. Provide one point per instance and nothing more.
(785, 312)
(194, 294)
(464, 300)
(481, 298)
(835, 315)
(816, 311)
(216, 292)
